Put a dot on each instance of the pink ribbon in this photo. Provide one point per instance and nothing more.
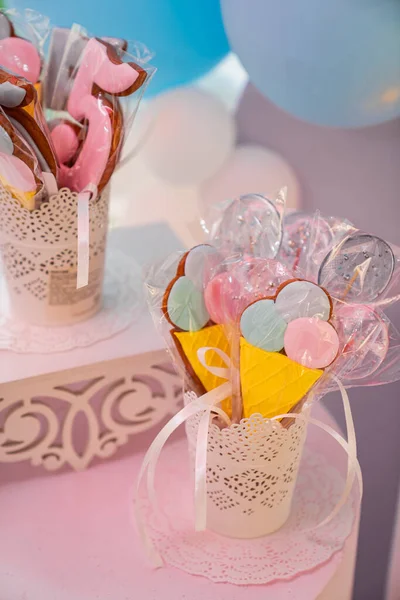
(207, 404)
(82, 278)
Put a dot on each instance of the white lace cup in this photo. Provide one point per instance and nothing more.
(39, 254)
(252, 470)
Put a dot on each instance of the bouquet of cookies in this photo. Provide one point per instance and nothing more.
(64, 119)
(274, 312)
(293, 301)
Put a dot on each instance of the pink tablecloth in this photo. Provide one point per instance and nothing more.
(69, 537)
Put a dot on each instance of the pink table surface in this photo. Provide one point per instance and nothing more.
(70, 537)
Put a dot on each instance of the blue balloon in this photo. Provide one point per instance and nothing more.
(187, 36)
(331, 62)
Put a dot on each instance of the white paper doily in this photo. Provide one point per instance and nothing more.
(122, 304)
(279, 556)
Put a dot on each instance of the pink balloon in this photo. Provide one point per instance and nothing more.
(311, 342)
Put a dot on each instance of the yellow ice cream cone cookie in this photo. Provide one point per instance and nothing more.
(286, 343)
(185, 309)
(271, 383)
(189, 342)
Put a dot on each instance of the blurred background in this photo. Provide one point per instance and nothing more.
(253, 95)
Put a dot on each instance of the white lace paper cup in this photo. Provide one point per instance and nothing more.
(39, 255)
(252, 470)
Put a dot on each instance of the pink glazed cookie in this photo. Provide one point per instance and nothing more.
(311, 342)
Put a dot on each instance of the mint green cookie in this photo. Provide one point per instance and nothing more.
(262, 326)
(186, 307)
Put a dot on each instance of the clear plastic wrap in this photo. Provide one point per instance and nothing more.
(20, 173)
(22, 63)
(251, 224)
(28, 120)
(22, 39)
(307, 238)
(54, 179)
(289, 303)
(96, 87)
(90, 89)
(175, 295)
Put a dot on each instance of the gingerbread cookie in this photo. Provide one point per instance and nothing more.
(184, 307)
(19, 170)
(286, 342)
(15, 94)
(100, 77)
(18, 55)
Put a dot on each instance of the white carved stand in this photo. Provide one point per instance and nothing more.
(72, 416)
(69, 407)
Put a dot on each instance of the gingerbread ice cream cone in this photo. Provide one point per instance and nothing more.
(184, 307)
(272, 383)
(286, 343)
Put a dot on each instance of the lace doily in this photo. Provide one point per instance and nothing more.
(279, 556)
(122, 303)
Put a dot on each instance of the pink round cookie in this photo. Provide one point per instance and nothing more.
(228, 293)
(20, 57)
(311, 342)
(222, 298)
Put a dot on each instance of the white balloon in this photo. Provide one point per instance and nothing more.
(192, 135)
(250, 169)
(139, 197)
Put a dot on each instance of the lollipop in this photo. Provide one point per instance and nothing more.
(364, 340)
(250, 225)
(359, 269)
(222, 297)
(297, 237)
(241, 282)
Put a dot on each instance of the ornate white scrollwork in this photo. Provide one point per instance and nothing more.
(55, 424)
